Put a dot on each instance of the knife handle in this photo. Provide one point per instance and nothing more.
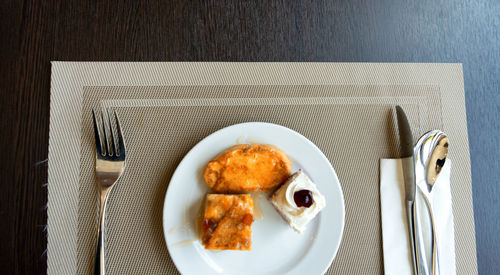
(408, 165)
(410, 213)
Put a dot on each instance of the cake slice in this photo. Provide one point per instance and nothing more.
(227, 222)
(298, 201)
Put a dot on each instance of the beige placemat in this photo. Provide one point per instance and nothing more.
(171, 119)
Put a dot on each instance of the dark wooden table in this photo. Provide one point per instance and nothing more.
(35, 32)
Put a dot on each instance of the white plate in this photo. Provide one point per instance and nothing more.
(276, 248)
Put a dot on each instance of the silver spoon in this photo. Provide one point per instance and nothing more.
(430, 155)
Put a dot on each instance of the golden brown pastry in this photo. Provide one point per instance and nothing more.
(244, 168)
(227, 222)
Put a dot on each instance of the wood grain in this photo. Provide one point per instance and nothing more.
(35, 32)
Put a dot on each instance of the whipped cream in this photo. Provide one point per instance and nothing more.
(283, 201)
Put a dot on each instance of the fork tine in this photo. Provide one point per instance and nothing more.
(98, 142)
(121, 145)
(107, 131)
(113, 148)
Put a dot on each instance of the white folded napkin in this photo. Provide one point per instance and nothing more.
(396, 242)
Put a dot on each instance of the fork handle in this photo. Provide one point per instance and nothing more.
(99, 259)
(100, 264)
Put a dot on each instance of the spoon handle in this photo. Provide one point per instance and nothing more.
(427, 267)
(435, 269)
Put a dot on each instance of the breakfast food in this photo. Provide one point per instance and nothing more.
(227, 222)
(245, 168)
(298, 201)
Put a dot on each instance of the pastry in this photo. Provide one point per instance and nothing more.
(298, 201)
(227, 222)
(247, 168)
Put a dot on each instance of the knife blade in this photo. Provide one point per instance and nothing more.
(408, 165)
(406, 153)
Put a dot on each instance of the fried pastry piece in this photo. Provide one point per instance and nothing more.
(245, 168)
(227, 222)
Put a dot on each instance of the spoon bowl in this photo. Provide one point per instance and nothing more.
(430, 155)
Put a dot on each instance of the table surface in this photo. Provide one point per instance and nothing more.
(36, 32)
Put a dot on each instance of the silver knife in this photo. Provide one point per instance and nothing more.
(406, 155)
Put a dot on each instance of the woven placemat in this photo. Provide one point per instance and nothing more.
(354, 132)
(170, 115)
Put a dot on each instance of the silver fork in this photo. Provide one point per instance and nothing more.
(109, 166)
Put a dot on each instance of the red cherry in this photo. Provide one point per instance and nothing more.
(303, 198)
